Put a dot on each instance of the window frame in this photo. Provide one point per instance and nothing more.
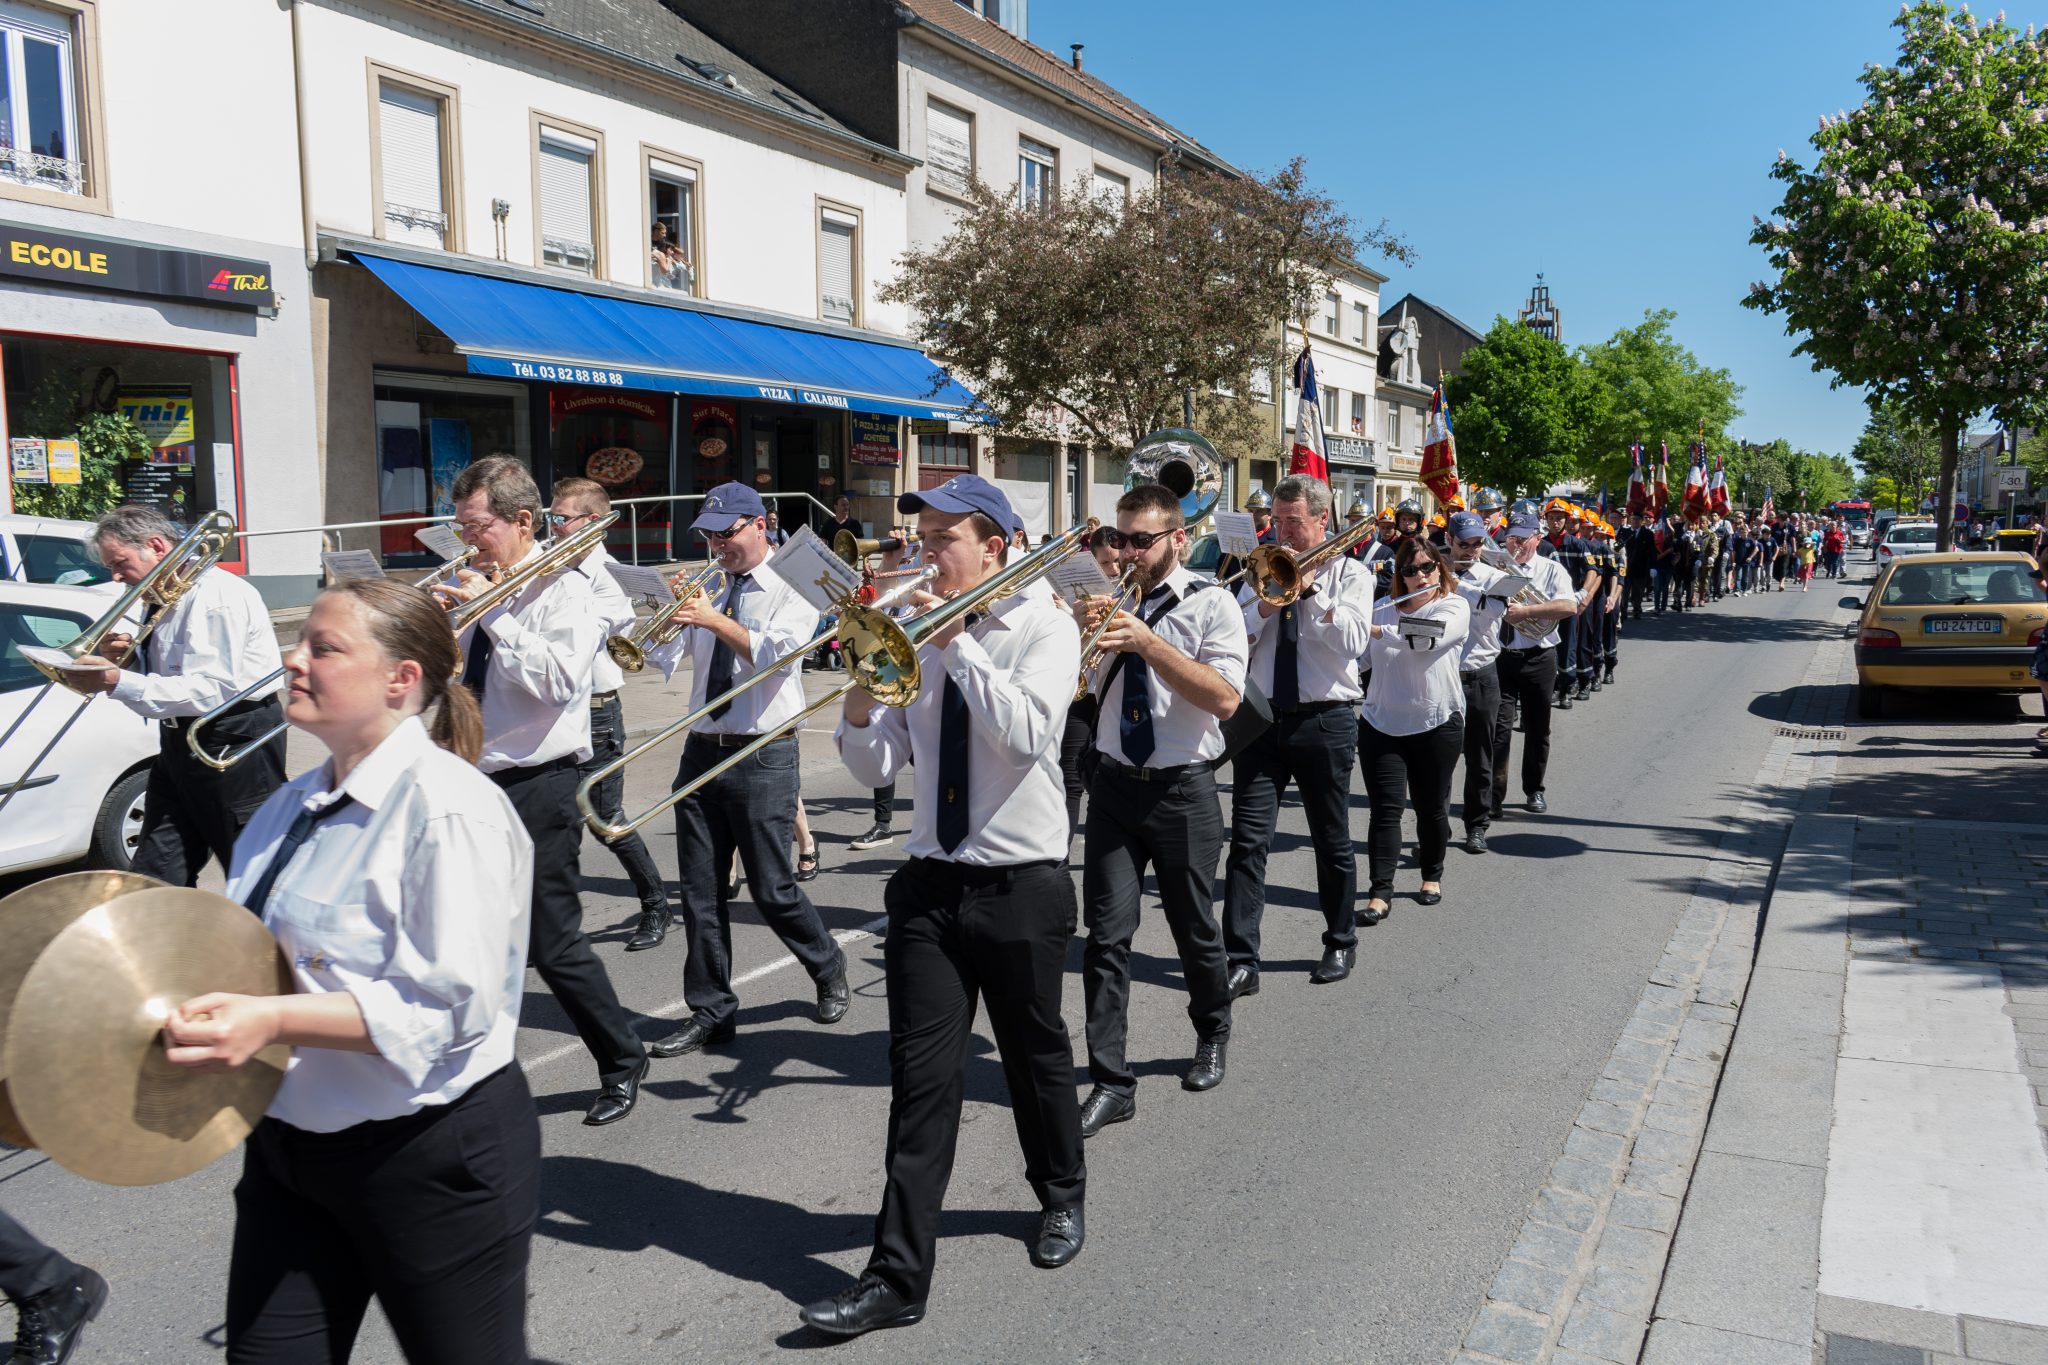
(1360, 413)
(1050, 163)
(449, 97)
(1333, 315)
(81, 17)
(649, 154)
(537, 125)
(932, 186)
(819, 208)
(1101, 173)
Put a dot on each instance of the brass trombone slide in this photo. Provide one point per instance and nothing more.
(1276, 572)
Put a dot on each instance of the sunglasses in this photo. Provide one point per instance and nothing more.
(1419, 570)
(728, 535)
(1137, 540)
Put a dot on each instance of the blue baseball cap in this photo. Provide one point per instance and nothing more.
(1524, 525)
(726, 504)
(964, 493)
(1465, 526)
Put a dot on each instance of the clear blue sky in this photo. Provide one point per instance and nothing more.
(1620, 149)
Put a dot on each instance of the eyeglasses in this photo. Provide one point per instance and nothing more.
(477, 528)
(1419, 570)
(1137, 540)
(1478, 544)
(728, 535)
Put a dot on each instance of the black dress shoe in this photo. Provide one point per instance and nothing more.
(1537, 802)
(653, 929)
(1368, 915)
(616, 1101)
(1207, 1072)
(863, 1308)
(1475, 841)
(1243, 981)
(1563, 703)
(1430, 897)
(832, 999)
(1608, 677)
(1104, 1107)
(1060, 1234)
(1335, 966)
(53, 1322)
(689, 1038)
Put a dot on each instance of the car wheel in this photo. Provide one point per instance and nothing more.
(1869, 701)
(119, 828)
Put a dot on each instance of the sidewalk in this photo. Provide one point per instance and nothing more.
(1873, 1184)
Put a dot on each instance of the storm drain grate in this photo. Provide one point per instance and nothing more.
(1812, 732)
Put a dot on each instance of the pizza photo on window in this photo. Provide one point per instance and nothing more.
(614, 465)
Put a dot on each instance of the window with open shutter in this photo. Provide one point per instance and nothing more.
(836, 232)
(568, 238)
(415, 205)
(948, 147)
(39, 126)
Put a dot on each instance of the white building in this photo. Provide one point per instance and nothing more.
(1344, 339)
(152, 251)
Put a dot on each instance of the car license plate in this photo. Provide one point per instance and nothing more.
(1965, 625)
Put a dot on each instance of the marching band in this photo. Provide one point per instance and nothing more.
(412, 876)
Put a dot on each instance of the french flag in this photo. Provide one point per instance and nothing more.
(1663, 490)
(1638, 491)
(1717, 489)
(1696, 484)
(1308, 423)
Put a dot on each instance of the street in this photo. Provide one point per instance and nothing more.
(1347, 1193)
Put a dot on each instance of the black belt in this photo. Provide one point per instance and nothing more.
(1173, 774)
(1311, 708)
(534, 769)
(724, 741)
(240, 708)
(1527, 649)
(600, 698)
(980, 877)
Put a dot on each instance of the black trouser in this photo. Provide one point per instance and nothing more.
(1422, 763)
(432, 1213)
(1566, 653)
(751, 808)
(885, 805)
(1075, 742)
(28, 1268)
(1482, 706)
(191, 812)
(1314, 749)
(1610, 632)
(607, 742)
(1635, 588)
(957, 933)
(1586, 637)
(1665, 575)
(1177, 827)
(545, 797)
(1526, 677)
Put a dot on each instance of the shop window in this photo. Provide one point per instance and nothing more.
(1038, 170)
(952, 452)
(948, 147)
(672, 245)
(838, 266)
(620, 439)
(412, 166)
(429, 429)
(39, 114)
(568, 208)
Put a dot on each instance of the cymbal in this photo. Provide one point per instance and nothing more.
(84, 1051)
(34, 915)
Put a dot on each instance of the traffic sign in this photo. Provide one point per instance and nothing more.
(2010, 479)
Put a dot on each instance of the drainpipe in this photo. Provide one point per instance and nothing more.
(299, 107)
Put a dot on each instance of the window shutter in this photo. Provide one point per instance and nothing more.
(409, 137)
(565, 230)
(948, 147)
(835, 267)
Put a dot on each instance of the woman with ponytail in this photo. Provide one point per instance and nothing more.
(401, 1157)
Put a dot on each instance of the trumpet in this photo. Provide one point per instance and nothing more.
(205, 545)
(629, 651)
(1125, 598)
(885, 666)
(853, 549)
(228, 758)
(1277, 573)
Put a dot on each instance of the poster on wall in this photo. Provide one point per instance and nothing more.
(29, 458)
(164, 412)
(164, 486)
(64, 464)
(618, 439)
(875, 440)
(448, 447)
(714, 436)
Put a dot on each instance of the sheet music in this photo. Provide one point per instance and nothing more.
(641, 583)
(342, 564)
(441, 541)
(820, 577)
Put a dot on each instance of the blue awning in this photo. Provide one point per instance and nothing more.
(531, 331)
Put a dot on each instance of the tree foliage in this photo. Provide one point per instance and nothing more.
(1650, 388)
(1912, 258)
(1110, 310)
(58, 410)
(1521, 408)
(1905, 453)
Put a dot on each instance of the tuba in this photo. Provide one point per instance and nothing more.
(1183, 461)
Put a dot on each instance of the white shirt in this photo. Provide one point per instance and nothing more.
(1334, 623)
(544, 642)
(1206, 625)
(1482, 640)
(1016, 668)
(1415, 683)
(615, 611)
(413, 899)
(1554, 581)
(778, 624)
(211, 643)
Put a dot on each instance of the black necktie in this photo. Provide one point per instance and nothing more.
(1134, 720)
(718, 677)
(148, 633)
(1287, 661)
(952, 766)
(301, 830)
(476, 669)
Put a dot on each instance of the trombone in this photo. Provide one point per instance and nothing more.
(629, 651)
(1276, 572)
(228, 758)
(563, 552)
(885, 666)
(205, 545)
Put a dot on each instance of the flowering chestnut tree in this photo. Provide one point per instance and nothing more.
(1913, 256)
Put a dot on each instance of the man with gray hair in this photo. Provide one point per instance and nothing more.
(1305, 657)
(214, 641)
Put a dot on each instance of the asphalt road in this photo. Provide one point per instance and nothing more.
(1347, 1193)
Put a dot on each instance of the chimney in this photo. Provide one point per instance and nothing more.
(1077, 54)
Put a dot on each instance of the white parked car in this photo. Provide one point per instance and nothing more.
(1904, 538)
(48, 550)
(85, 800)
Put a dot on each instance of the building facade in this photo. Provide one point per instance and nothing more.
(1343, 337)
(1421, 346)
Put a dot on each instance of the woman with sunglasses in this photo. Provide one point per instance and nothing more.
(1412, 726)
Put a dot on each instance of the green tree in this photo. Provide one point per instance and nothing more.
(1112, 310)
(1521, 409)
(1895, 447)
(1652, 389)
(1913, 257)
(58, 411)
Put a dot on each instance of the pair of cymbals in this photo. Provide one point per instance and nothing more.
(91, 964)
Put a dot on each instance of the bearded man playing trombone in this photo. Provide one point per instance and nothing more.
(981, 911)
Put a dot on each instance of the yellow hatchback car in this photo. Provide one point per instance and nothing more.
(1951, 621)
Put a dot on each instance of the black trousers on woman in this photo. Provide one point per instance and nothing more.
(1075, 743)
(1422, 763)
(432, 1213)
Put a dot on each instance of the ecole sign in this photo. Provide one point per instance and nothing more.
(134, 268)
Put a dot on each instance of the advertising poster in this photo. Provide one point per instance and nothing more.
(875, 440)
(164, 412)
(28, 457)
(714, 435)
(64, 465)
(448, 445)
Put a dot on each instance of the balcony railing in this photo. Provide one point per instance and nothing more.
(36, 171)
(412, 219)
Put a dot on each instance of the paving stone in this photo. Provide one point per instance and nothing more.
(1622, 1291)
(1510, 1335)
(1689, 1120)
(1602, 1149)
(1692, 1071)
(1841, 1350)
(1602, 1334)
(1658, 1144)
(1583, 1177)
(1637, 1209)
(1719, 1014)
(1606, 1118)
(1748, 1249)
(1565, 1208)
(1637, 1249)
(1528, 1286)
(1886, 1322)
(1657, 1177)
(1552, 1248)
(2007, 1342)
(1617, 1092)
